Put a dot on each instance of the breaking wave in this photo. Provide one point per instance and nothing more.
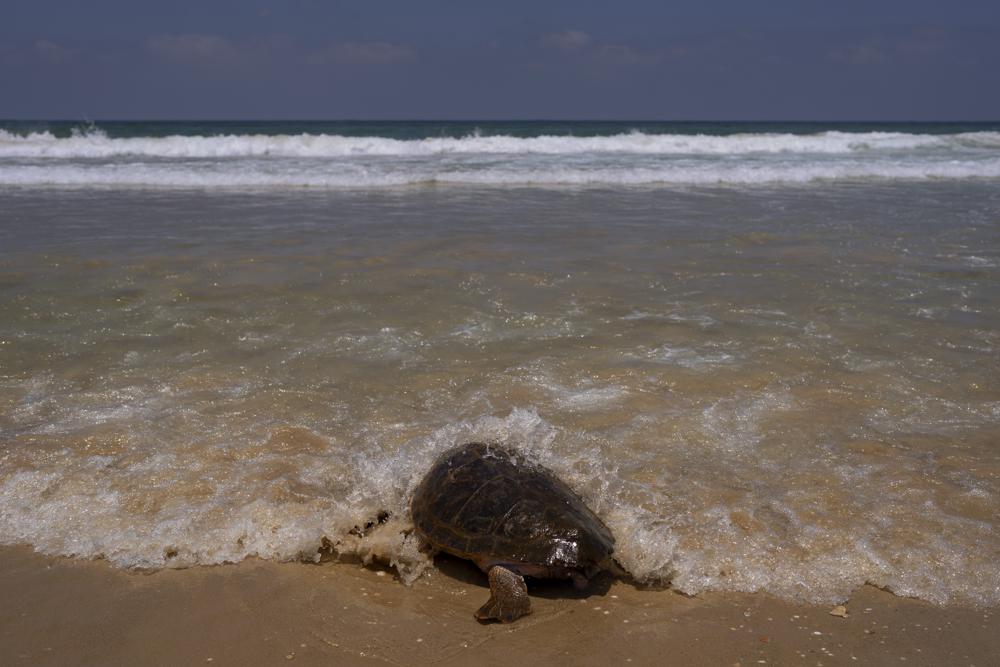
(335, 161)
(97, 144)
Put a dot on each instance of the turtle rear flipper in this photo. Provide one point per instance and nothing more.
(508, 597)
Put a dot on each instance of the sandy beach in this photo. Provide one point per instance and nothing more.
(61, 611)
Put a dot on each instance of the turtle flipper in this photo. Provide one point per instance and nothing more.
(508, 597)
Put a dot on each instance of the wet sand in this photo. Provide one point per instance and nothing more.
(59, 611)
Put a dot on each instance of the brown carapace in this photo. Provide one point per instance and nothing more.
(513, 518)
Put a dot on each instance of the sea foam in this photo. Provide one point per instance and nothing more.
(97, 144)
(87, 507)
(335, 161)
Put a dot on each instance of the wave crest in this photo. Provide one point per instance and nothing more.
(97, 144)
(92, 158)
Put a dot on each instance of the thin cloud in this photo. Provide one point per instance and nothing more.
(362, 53)
(52, 52)
(193, 48)
(620, 54)
(595, 52)
(858, 54)
(566, 40)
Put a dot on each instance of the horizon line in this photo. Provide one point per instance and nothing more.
(483, 120)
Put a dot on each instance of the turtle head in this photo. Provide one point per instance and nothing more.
(609, 564)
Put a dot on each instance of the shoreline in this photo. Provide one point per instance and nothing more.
(66, 611)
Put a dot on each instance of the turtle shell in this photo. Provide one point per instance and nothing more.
(489, 504)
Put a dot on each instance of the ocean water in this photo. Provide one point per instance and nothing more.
(766, 355)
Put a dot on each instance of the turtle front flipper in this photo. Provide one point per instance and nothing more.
(508, 597)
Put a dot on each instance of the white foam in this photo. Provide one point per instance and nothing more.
(687, 357)
(977, 262)
(245, 176)
(98, 145)
(385, 344)
(86, 506)
(333, 161)
(585, 396)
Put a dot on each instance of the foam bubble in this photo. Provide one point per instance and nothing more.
(688, 357)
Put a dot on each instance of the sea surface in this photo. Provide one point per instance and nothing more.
(767, 355)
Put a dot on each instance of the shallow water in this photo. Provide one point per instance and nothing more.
(791, 389)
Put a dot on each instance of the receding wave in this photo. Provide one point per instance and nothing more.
(291, 498)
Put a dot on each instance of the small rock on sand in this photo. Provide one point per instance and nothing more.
(840, 610)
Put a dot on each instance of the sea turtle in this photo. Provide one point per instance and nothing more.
(511, 517)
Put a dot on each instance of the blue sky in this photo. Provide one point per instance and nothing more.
(374, 59)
